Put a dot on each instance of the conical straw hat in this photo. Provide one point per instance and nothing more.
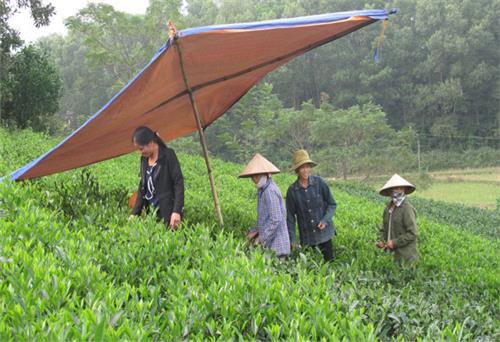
(396, 181)
(258, 165)
(300, 157)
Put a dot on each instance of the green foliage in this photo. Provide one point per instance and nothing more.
(438, 71)
(116, 42)
(73, 267)
(247, 127)
(10, 75)
(9, 37)
(18, 148)
(358, 139)
(31, 90)
(424, 181)
(475, 194)
(469, 158)
(85, 89)
(446, 94)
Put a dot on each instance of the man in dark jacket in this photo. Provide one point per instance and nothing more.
(162, 184)
(309, 202)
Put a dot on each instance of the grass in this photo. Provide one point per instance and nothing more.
(488, 174)
(469, 193)
(471, 187)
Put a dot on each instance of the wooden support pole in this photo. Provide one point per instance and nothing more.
(201, 132)
(418, 154)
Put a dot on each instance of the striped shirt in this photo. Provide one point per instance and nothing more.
(271, 219)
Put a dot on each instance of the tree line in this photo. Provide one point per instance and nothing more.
(438, 75)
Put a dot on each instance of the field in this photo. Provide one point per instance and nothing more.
(470, 187)
(73, 267)
(475, 194)
(487, 174)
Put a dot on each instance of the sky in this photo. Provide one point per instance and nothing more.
(23, 23)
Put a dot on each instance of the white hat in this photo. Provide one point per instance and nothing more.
(396, 181)
(258, 165)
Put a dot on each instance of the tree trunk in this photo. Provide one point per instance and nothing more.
(315, 87)
(344, 169)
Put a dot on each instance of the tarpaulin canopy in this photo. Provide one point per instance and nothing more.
(212, 66)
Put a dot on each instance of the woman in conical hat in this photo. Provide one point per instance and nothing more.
(399, 228)
(270, 230)
(309, 202)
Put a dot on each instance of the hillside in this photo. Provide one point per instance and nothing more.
(73, 267)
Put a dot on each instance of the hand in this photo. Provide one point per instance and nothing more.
(252, 235)
(379, 244)
(321, 225)
(389, 244)
(175, 219)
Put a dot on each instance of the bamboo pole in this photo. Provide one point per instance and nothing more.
(418, 155)
(201, 132)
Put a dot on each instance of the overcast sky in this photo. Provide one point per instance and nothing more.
(66, 8)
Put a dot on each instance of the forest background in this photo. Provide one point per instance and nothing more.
(431, 102)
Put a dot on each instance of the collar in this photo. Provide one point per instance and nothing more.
(161, 153)
(311, 181)
(269, 180)
(161, 156)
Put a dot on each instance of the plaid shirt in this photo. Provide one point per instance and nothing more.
(271, 219)
(310, 206)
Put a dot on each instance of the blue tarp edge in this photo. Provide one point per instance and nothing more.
(289, 22)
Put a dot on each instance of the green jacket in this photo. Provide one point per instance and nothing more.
(403, 231)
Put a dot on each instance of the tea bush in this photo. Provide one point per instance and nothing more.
(74, 267)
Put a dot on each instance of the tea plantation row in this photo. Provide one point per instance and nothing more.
(73, 267)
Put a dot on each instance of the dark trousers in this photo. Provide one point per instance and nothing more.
(326, 249)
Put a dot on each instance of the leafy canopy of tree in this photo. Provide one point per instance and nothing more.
(9, 37)
(29, 82)
(438, 75)
(439, 61)
(31, 91)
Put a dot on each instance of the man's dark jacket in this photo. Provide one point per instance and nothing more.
(168, 182)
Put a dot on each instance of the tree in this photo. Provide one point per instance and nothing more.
(118, 43)
(439, 65)
(32, 89)
(247, 127)
(86, 87)
(291, 130)
(358, 139)
(9, 37)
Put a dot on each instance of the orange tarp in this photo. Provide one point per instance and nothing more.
(221, 63)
